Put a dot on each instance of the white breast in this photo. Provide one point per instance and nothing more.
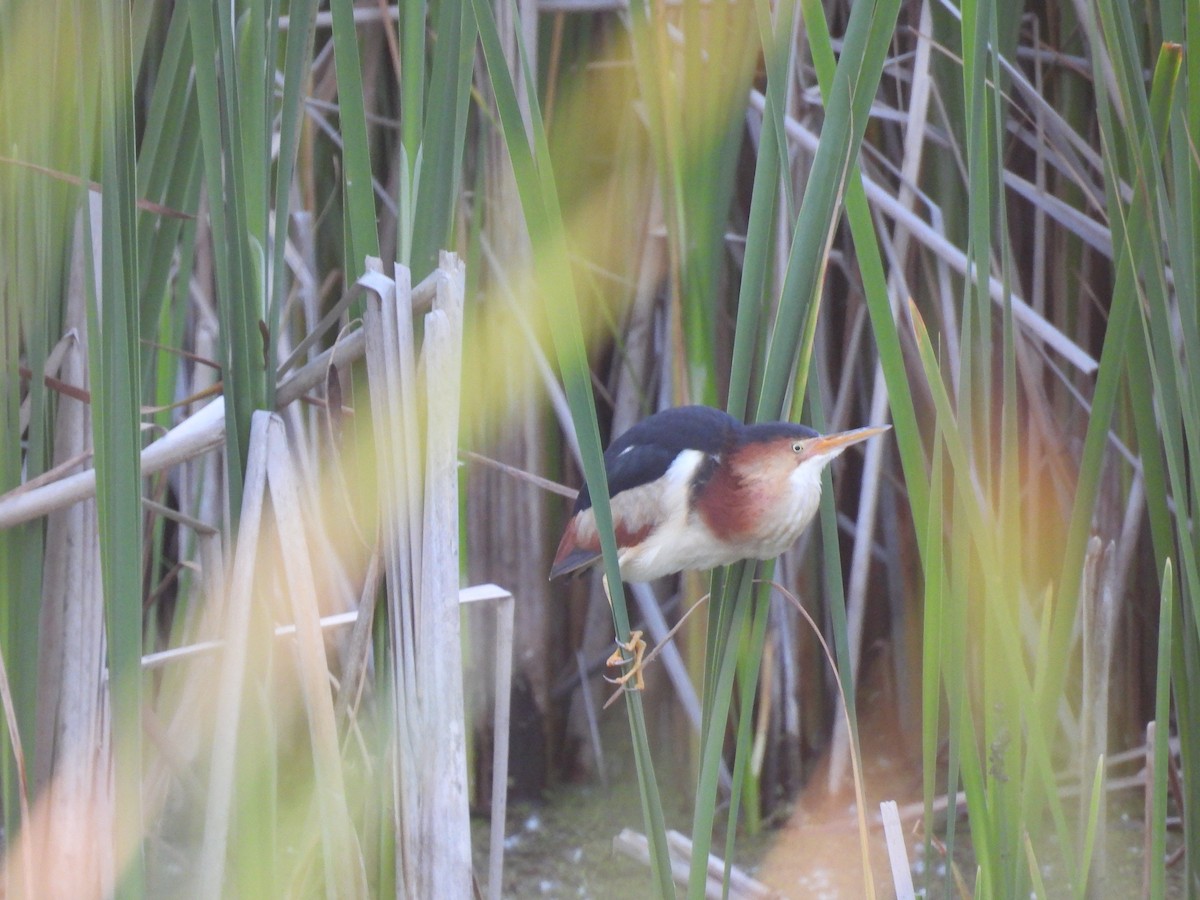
(791, 514)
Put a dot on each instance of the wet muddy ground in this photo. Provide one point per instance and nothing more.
(562, 847)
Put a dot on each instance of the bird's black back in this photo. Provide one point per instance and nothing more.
(645, 452)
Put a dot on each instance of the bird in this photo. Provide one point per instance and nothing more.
(692, 488)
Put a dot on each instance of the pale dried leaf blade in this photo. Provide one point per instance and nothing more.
(897, 851)
(446, 863)
(344, 865)
(233, 671)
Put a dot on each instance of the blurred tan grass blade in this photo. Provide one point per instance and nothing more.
(71, 694)
(233, 670)
(342, 855)
(14, 736)
(269, 468)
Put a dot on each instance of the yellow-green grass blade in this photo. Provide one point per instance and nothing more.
(976, 308)
(166, 156)
(1180, 25)
(864, 48)
(241, 61)
(749, 663)
(664, 111)
(934, 642)
(1172, 376)
(823, 59)
(954, 640)
(571, 350)
(1130, 233)
(1039, 794)
(1162, 724)
(1005, 703)
(857, 75)
(539, 198)
(115, 370)
(974, 779)
(359, 199)
(975, 542)
(883, 323)
(1174, 388)
(744, 376)
(412, 82)
(950, 432)
(721, 670)
(1088, 850)
(720, 74)
(748, 682)
(753, 301)
(694, 92)
(1175, 383)
(254, 58)
(835, 599)
(297, 59)
(1035, 871)
(239, 297)
(1137, 244)
(442, 138)
(37, 218)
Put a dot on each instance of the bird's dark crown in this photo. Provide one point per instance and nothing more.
(770, 431)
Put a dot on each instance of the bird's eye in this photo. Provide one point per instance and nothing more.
(797, 446)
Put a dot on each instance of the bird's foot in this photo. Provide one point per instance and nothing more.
(637, 647)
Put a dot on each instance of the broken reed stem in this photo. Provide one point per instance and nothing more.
(420, 539)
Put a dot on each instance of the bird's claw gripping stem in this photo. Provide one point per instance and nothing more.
(637, 647)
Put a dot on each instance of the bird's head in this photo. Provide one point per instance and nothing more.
(821, 449)
(775, 452)
(768, 486)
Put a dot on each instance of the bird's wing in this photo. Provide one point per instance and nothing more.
(634, 462)
(645, 452)
(637, 465)
(636, 511)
